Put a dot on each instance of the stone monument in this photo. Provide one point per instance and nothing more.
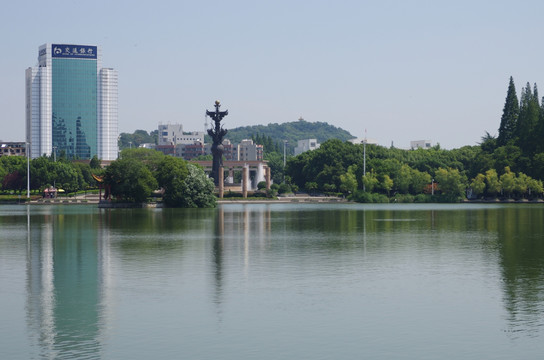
(217, 133)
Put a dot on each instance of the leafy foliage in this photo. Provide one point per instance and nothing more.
(197, 189)
(171, 174)
(510, 114)
(127, 141)
(140, 171)
(274, 134)
(130, 180)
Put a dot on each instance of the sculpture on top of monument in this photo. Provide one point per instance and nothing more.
(217, 133)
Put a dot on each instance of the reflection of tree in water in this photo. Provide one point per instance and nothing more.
(63, 139)
(83, 150)
(59, 135)
(521, 242)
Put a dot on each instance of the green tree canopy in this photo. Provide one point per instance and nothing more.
(510, 114)
(151, 158)
(130, 180)
(197, 189)
(171, 175)
(478, 184)
(451, 182)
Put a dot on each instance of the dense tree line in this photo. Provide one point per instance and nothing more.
(127, 141)
(510, 165)
(71, 176)
(519, 144)
(133, 177)
(269, 145)
(339, 167)
(138, 172)
(290, 131)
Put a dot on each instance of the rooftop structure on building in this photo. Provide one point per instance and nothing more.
(421, 144)
(363, 141)
(248, 151)
(306, 145)
(71, 103)
(173, 134)
(12, 149)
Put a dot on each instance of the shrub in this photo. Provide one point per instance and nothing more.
(366, 197)
(284, 189)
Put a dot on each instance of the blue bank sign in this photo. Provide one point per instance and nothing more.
(73, 51)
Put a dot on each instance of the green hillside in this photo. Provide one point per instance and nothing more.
(291, 131)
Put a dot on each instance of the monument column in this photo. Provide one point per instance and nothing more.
(217, 133)
(221, 182)
(245, 178)
(267, 177)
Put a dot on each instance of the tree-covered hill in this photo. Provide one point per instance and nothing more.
(291, 131)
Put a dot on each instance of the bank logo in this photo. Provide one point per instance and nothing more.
(74, 51)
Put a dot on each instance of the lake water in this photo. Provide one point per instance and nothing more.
(273, 281)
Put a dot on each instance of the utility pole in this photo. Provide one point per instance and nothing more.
(284, 158)
(27, 145)
(364, 161)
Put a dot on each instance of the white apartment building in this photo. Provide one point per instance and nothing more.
(172, 134)
(305, 145)
(421, 144)
(248, 151)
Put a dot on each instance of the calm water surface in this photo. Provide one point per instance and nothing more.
(273, 281)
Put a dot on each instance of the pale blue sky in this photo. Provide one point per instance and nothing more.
(404, 70)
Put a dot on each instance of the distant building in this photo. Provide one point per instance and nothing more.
(148, 146)
(71, 103)
(421, 144)
(172, 134)
(363, 140)
(12, 149)
(190, 151)
(248, 151)
(230, 151)
(305, 145)
(168, 133)
(172, 140)
(166, 149)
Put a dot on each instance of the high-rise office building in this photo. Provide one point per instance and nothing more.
(71, 103)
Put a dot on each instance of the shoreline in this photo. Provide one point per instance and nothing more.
(281, 200)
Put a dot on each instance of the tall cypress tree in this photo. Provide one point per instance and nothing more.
(540, 128)
(510, 114)
(529, 113)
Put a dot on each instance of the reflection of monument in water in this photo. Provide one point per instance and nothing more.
(248, 228)
(67, 274)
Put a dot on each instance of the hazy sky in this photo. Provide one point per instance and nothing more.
(403, 70)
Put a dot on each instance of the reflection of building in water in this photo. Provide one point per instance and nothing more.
(66, 271)
(248, 228)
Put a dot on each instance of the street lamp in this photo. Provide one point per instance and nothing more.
(364, 162)
(55, 153)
